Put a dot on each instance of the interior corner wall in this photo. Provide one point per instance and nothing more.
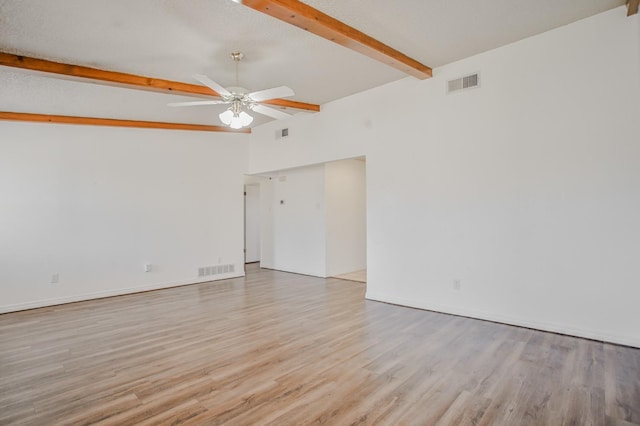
(526, 190)
(96, 204)
(346, 217)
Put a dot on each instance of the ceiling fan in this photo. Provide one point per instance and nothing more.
(236, 116)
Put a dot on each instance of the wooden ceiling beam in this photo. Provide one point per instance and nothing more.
(632, 7)
(92, 121)
(310, 19)
(129, 81)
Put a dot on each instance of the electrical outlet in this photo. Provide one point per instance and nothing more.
(55, 278)
(457, 285)
(147, 267)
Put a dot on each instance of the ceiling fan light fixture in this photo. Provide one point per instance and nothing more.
(226, 116)
(236, 123)
(235, 117)
(245, 118)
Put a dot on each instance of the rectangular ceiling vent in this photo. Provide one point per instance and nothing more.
(463, 83)
(282, 133)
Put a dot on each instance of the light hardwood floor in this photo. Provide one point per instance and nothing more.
(360, 276)
(284, 349)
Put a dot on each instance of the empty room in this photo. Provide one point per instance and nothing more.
(284, 212)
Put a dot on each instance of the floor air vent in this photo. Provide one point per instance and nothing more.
(462, 83)
(216, 270)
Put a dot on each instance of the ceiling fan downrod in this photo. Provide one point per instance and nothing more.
(237, 57)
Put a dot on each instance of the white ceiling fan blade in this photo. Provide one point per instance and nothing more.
(271, 112)
(276, 92)
(195, 103)
(212, 84)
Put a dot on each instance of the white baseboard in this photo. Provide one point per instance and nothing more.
(110, 293)
(604, 336)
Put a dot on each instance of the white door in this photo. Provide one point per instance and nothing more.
(252, 223)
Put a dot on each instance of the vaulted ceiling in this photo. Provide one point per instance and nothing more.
(175, 39)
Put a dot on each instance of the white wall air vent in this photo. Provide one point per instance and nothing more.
(216, 270)
(463, 83)
(282, 133)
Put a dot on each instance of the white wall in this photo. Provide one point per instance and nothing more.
(95, 204)
(320, 228)
(293, 232)
(267, 238)
(346, 217)
(526, 189)
(252, 223)
(313, 138)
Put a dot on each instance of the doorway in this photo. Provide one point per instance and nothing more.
(346, 215)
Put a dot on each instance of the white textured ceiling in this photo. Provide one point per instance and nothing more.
(175, 39)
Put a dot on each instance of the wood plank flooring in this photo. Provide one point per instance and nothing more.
(284, 349)
(360, 276)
